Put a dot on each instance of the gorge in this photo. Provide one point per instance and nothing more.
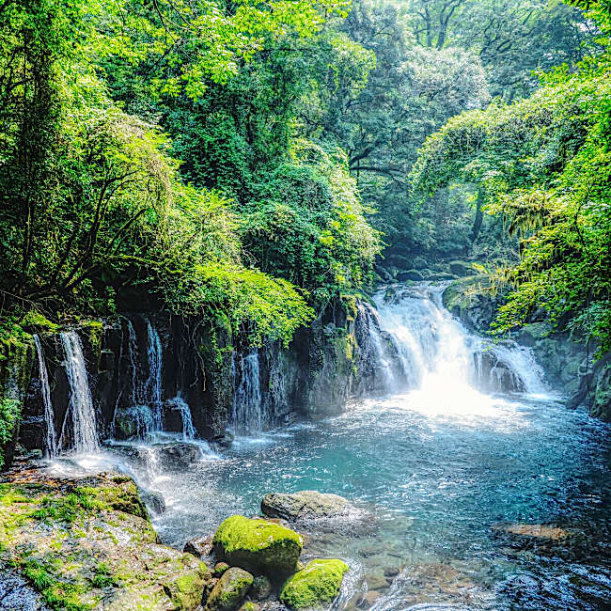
(472, 470)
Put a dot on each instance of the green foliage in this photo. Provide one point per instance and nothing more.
(544, 165)
(10, 410)
(309, 224)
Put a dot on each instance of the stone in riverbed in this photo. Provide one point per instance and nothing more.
(230, 590)
(314, 587)
(199, 546)
(261, 588)
(305, 505)
(258, 546)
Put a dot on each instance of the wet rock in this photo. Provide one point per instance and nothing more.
(412, 274)
(392, 571)
(368, 599)
(259, 546)
(535, 531)
(461, 268)
(154, 501)
(16, 594)
(177, 455)
(220, 568)
(250, 606)
(199, 546)
(305, 505)
(97, 525)
(261, 588)
(314, 587)
(230, 590)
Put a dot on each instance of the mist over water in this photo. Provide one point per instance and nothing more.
(479, 499)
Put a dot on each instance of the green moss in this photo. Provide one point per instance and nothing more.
(230, 590)
(315, 586)
(249, 606)
(37, 323)
(258, 545)
(94, 329)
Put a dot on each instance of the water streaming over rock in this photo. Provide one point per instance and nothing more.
(45, 391)
(155, 363)
(247, 413)
(440, 356)
(447, 465)
(81, 409)
(181, 406)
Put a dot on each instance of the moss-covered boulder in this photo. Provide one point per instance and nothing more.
(258, 546)
(230, 590)
(314, 587)
(88, 544)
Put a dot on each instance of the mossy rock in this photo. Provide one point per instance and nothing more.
(314, 587)
(258, 546)
(230, 590)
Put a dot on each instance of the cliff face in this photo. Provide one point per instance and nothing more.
(188, 373)
(568, 362)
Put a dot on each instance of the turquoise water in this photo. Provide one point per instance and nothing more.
(442, 491)
(472, 500)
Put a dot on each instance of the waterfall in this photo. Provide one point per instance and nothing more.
(153, 383)
(377, 362)
(247, 412)
(81, 404)
(182, 407)
(441, 358)
(132, 351)
(45, 390)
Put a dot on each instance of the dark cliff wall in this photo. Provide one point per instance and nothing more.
(325, 366)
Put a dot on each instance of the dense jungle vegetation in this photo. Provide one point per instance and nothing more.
(249, 160)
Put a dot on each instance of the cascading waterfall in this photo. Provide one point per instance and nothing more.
(182, 407)
(45, 389)
(376, 347)
(247, 409)
(441, 359)
(80, 407)
(132, 351)
(155, 363)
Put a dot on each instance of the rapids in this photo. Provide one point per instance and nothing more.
(479, 499)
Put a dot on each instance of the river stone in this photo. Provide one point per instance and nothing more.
(230, 590)
(177, 455)
(261, 588)
(314, 587)
(412, 274)
(199, 546)
(259, 546)
(305, 505)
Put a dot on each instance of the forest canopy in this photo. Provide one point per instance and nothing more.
(248, 161)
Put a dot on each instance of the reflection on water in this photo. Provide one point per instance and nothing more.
(477, 501)
(446, 489)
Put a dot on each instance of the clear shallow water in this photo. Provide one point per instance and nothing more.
(475, 501)
(442, 490)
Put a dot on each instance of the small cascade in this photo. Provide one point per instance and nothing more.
(80, 407)
(153, 382)
(247, 412)
(49, 413)
(441, 358)
(377, 361)
(132, 352)
(182, 407)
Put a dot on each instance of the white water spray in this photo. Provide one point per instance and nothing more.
(247, 410)
(51, 436)
(81, 404)
(155, 363)
(443, 362)
(182, 407)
